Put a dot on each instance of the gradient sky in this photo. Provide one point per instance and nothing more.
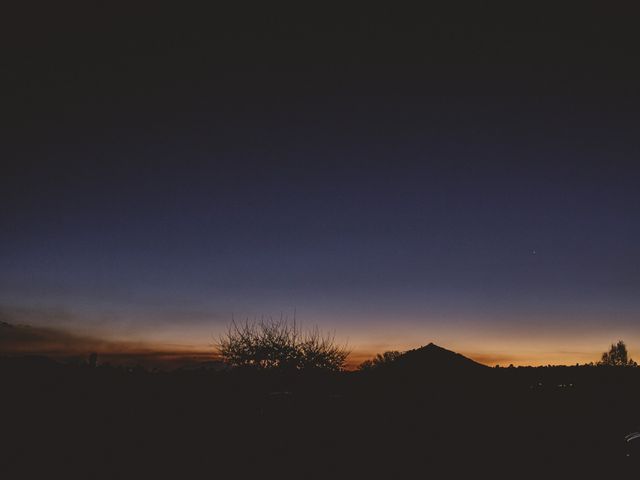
(469, 178)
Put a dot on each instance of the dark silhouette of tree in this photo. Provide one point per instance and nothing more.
(93, 360)
(380, 360)
(271, 344)
(617, 356)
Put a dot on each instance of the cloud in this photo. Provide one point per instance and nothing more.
(62, 344)
(35, 316)
(492, 359)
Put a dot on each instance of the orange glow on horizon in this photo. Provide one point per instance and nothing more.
(167, 348)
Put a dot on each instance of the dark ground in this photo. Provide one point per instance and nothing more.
(63, 421)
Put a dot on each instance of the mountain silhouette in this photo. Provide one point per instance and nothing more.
(433, 363)
(434, 357)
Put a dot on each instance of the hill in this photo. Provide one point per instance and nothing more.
(431, 363)
(434, 357)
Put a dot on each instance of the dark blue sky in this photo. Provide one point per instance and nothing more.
(397, 182)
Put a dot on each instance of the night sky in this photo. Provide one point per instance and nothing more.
(466, 176)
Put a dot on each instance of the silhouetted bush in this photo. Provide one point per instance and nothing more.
(617, 356)
(270, 344)
(380, 360)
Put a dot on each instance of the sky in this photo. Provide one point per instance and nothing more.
(467, 177)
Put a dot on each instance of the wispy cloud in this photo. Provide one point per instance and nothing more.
(60, 343)
(493, 359)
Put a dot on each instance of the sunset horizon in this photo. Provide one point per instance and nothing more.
(168, 350)
(261, 241)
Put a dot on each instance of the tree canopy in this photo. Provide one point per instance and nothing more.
(277, 344)
(380, 360)
(617, 356)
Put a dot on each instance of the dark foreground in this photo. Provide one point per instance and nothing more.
(80, 422)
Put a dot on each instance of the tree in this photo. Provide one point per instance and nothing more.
(381, 360)
(617, 356)
(270, 344)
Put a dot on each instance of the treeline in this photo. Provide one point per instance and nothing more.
(280, 345)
